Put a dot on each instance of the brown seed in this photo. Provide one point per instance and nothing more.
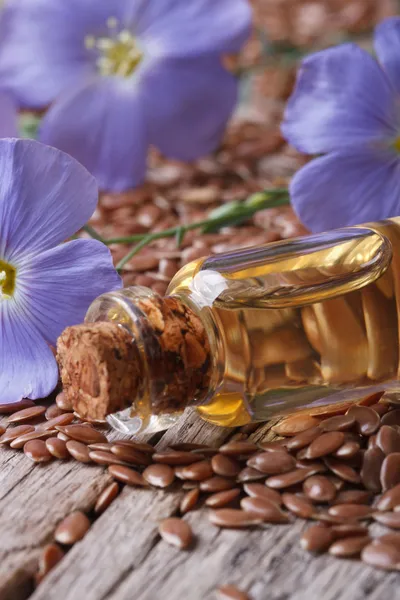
(189, 500)
(106, 497)
(325, 444)
(390, 471)
(272, 463)
(367, 419)
(78, 451)
(57, 448)
(101, 446)
(277, 446)
(287, 479)
(371, 469)
(127, 475)
(327, 518)
(349, 530)
(20, 441)
(72, 529)
(391, 418)
(8, 408)
(350, 511)
(130, 455)
(230, 592)
(83, 433)
(53, 411)
(188, 446)
(301, 507)
(63, 419)
(303, 439)
(27, 414)
(393, 539)
(216, 484)
(159, 475)
(381, 555)
(222, 498)
(342, 470)
(388, 439)
(62, 436)
(317, 538)
(319, 488)
(295, 424)
(198, 471)
(353, 497)
(349, 546)
(338, 423)
(250, 474)
(316, 466)
(102, 457)
(263, 508)
(238, 448)
(176, 532)
(348, 450)
(225, 466)
(260, 490)
(233, 518)
(139, 446)
(62, 402)
(50, 556)
(176, 458)
(390, 499)
(37, 451)
(390, 519)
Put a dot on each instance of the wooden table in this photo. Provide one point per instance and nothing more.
(123, 558)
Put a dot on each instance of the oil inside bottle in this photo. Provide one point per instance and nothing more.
(301, 323)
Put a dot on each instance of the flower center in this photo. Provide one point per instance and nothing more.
(396, 144)
(7, 280)
(118, 52)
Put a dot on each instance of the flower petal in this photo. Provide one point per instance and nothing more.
(101, 124)
(342, 99)
(8, 117)
(347, 188)
(56, 289)
(387, 46)
(42, 48)
(28, 368)
(179, 28)
(187, 104)
(45, 197)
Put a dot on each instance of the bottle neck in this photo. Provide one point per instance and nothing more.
(158, 347)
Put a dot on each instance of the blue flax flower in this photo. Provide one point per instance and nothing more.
(124, 74)
(45, 197)
(346, 106)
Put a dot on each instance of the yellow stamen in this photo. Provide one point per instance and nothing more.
(7, 280)
(396, 144)
(119, 53)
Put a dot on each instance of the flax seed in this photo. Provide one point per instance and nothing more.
(225, 466)
(366, 418)
(57, 448)
(303, 439)
(233, 518)
(175, 458)
(238, 448)
(325, 444)
(106, 497)
(72, 529)
(301, 507)
(349, 547)
(82, 433)
(216, 484)
(221, 499)
(102, 457)
(390, 499)
(390, 471)
(319, 488)
(288, 479)
(390, 519)
(272, 463)
(8, 408)
(317, 538)
(127, 475)
(189, 500)
(260, 490)
(159, 475)
(61, 420)
(350, 511)
(27, 414)
(382, 556)
(20, 441)
(37, 451)
(264, 509)
(78, 451)
(230, 592)
(198, 471)
(53, 411)
(176, 532)
(49, 558)
(63, 403)
(390, 418)
(250, 474)
(338, 423)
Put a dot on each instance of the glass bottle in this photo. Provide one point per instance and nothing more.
(282, 327)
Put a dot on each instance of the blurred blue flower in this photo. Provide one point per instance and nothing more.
(8, 117)
(45, 197)
(124, 74)
(346, 106)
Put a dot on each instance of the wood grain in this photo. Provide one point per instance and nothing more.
(123, 557)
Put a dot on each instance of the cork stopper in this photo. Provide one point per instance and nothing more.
(99, 367)
(102, 370)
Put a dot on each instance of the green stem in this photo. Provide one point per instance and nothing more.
(230, 214)
(93, 233)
